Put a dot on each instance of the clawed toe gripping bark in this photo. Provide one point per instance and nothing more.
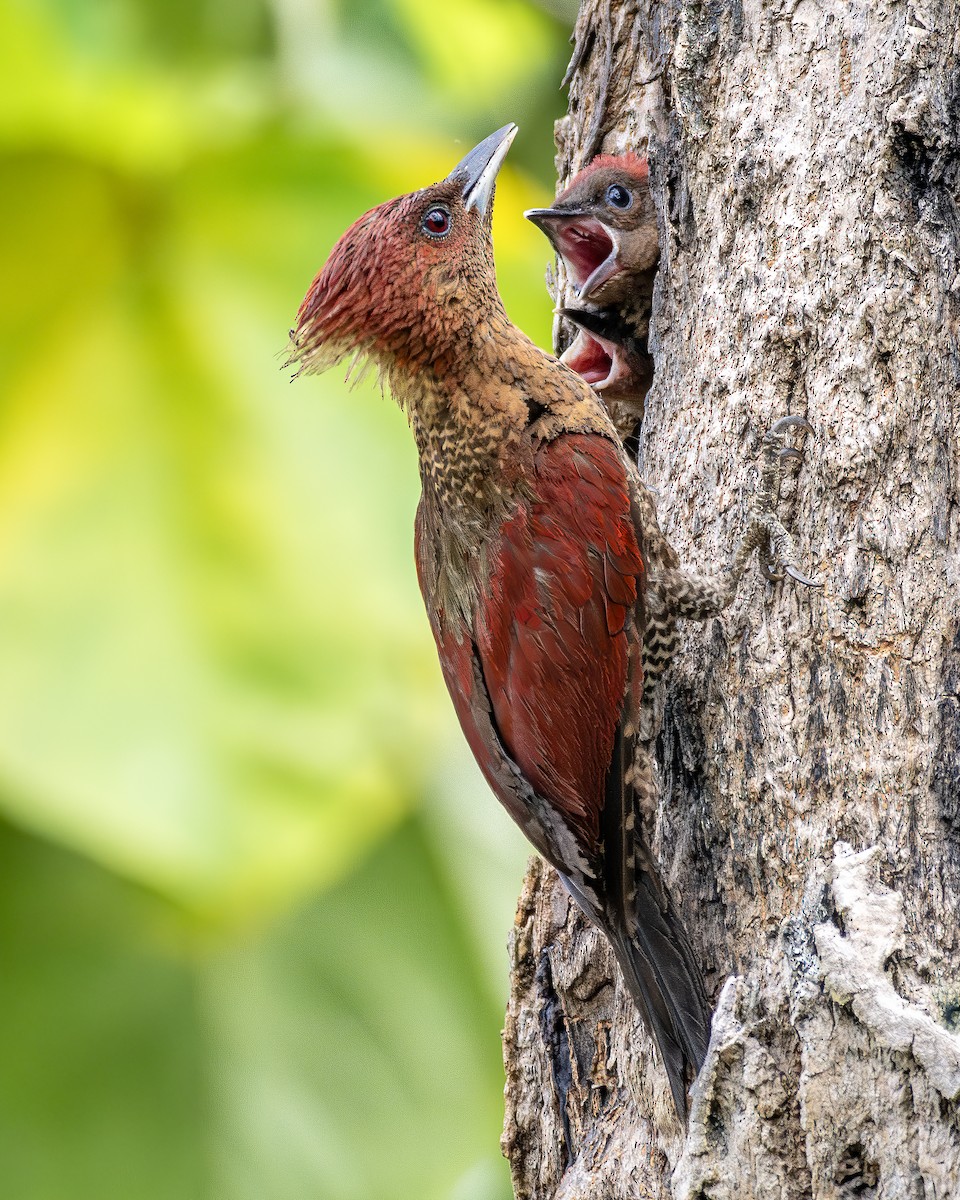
(766, 531)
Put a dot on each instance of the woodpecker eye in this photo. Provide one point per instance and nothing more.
(618, 196)
(436, 223)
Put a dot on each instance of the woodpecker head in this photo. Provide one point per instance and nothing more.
(604, 227)
(398, 283)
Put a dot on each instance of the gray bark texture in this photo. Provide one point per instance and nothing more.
(805, 163)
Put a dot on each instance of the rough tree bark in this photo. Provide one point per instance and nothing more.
(806, 159)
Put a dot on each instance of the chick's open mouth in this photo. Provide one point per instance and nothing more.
(585, 245)
(589, 359)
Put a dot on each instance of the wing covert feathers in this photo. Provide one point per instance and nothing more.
(565, 577)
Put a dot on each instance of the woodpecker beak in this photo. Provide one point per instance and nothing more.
(596, 358)
(477, 173)
(590, 249)
(551, 220)
(607, 325)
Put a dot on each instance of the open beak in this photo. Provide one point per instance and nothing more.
(589, 248)
(477, 172)
(593, 360)
(607, 354)
(607, 325)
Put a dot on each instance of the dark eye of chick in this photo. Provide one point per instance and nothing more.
(436, 222)
(618, 196)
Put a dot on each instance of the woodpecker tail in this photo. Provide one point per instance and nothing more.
(662, 976)
(660, 969)
(664, 979)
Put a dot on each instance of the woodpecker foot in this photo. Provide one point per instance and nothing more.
(767, 533)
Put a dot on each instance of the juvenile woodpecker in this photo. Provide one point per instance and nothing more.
(529, 558)
(604, 228)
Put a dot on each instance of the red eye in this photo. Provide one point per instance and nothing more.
(436, 222)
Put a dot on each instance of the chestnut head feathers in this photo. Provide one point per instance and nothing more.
(391, 286)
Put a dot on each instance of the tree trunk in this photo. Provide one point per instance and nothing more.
(805, 161)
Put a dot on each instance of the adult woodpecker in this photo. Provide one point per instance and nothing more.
(604, 228)
(529, 558)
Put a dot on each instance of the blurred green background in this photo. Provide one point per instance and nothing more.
(254, 896)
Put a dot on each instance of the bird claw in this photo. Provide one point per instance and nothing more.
(777, 572)
(776, 557)
(797, 577)
(791, 421)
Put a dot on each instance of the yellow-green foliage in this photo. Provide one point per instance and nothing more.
(253, 895)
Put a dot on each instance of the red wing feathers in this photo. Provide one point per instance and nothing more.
(564, 574)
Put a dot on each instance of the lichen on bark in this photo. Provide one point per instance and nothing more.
(806, 166)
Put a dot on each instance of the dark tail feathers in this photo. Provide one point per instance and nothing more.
(663, 977)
